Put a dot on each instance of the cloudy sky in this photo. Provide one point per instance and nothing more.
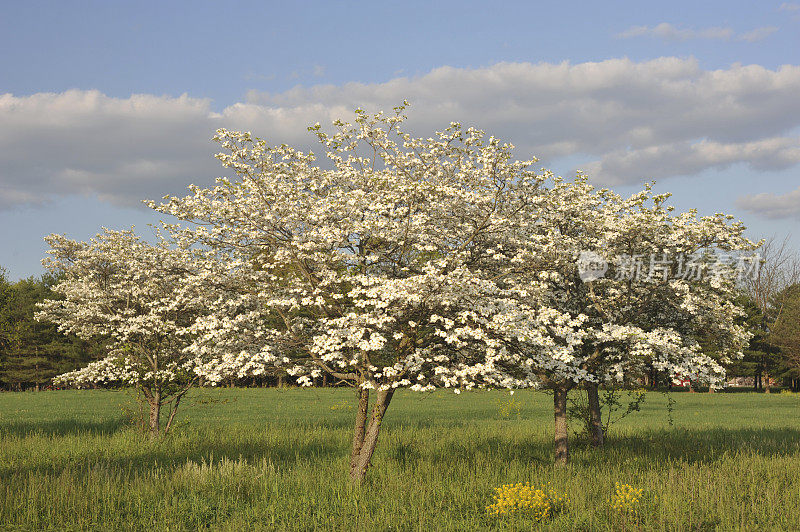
(103, 104)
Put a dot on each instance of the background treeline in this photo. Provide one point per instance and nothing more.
(771, 299)
(773, 354)
(32, 352)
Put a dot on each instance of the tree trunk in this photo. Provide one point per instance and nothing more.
(362, 395)
(766, 383)
(155, 414)
(595, 417)
(359, 466)
(561, 435)
(173, 411)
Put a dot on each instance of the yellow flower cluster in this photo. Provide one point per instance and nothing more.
(626, 499)
(509, 408)
(535, 502)
(342, 405)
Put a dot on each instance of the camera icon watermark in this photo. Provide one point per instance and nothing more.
(591, 266)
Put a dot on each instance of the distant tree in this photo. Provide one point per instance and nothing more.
(779, 269)
(5, 333)
(32, 353)
(760, 357)
(785, 331)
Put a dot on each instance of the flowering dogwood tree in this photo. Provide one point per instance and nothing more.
(381, 271)
(143, 300)
(615, 284)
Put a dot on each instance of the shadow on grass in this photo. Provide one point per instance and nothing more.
(139, 456)
(704, 445)
(658, 446)
(406, 449)
(61, 427)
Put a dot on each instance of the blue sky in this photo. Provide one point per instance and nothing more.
(106, 103)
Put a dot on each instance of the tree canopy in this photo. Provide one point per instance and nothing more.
(142, 300)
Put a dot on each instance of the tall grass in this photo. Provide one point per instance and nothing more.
(276, 460)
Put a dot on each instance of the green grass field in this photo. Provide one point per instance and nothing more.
(243, 459)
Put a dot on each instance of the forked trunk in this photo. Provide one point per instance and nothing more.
(561, 436)
(595, 417)
(361, 460)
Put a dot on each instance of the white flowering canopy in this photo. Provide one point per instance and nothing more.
(376, 270)
(640, 309)
(442, 262)
(143, 300)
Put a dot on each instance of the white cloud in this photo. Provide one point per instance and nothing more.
(758, 34)
(636, 121)
(124, 149)
(687, 158)
(86, 142)
(790, 6)
(669, 32)
(772, 206)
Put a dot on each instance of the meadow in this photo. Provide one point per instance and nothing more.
(276, 459)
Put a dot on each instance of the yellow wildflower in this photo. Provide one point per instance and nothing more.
(537, 503)
(626, 499)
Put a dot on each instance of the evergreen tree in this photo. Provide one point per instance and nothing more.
(32, 353)
(760, 357)
(785, 334)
